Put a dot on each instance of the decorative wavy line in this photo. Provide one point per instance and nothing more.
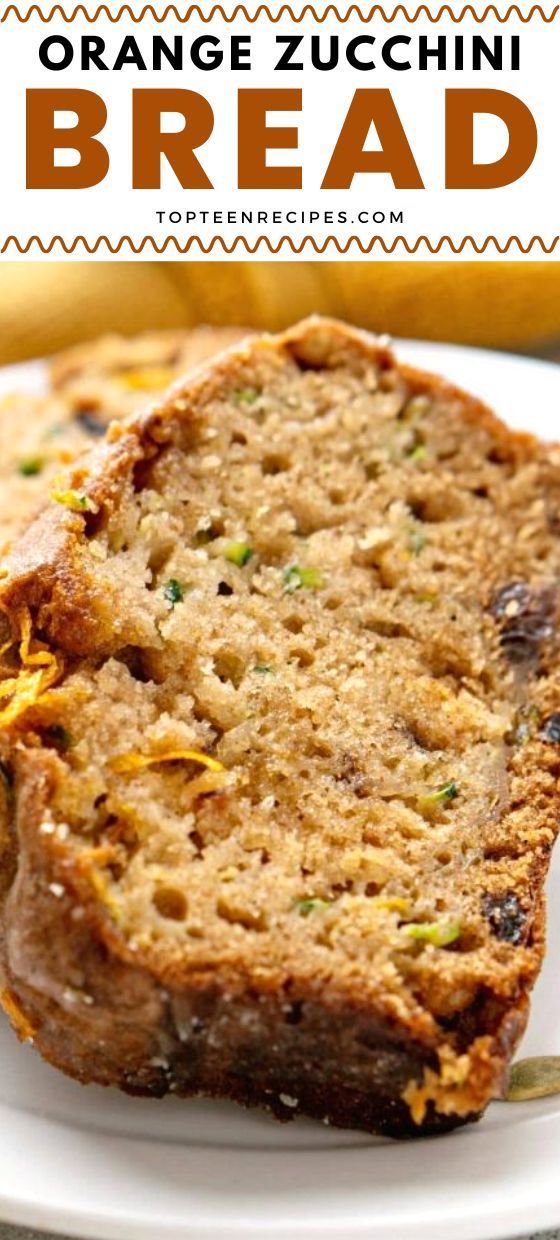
(332, 11)
(274, 247)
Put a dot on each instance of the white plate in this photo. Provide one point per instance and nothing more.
(93, 1163)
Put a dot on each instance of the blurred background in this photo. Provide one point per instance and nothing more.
(46, 306)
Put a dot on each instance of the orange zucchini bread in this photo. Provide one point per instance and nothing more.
(281, 742)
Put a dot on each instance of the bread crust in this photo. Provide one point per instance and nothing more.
(102, 1012)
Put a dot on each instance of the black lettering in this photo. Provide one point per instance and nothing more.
(354, 44)
(481, 48)
(213, 54)
(129, 54)
(241, 51)
(316, 61)
(161, 49)
(440, 52)
(292, 42)
(92, 47)
(52, 41)
(387, 52)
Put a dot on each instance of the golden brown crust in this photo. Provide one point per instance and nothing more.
(164, 1025)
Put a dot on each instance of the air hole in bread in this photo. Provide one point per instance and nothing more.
(275, 463)
(170, 903)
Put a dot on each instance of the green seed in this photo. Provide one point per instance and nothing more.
(173, 591)
(538, 1077)
(30, 467)
(238, 553)
(305, 907)
(296, 578)
(438, 933)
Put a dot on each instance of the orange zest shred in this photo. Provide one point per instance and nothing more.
(99, 884)
(101, 854)
(209, 781)
(23, 1027)
(146, 377)
(40, 668)
(126, 763)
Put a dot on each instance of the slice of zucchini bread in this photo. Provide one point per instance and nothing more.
(92, 385)
(281, 742)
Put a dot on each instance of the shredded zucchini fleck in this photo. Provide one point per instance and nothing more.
(31, 466)
(76, 501)
(427, 597)
(296, 578)
(438, 933)
(238, 553)
(417, 542)
(419, 452)
(173, 591)
(311, 905)
(439, 796)
(246, 396)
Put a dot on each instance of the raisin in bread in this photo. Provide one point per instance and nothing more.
(91, 385)
(281, 738)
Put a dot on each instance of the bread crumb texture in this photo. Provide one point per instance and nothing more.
(89, 387)
(284, 785)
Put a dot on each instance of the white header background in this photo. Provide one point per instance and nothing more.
(529, 208)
